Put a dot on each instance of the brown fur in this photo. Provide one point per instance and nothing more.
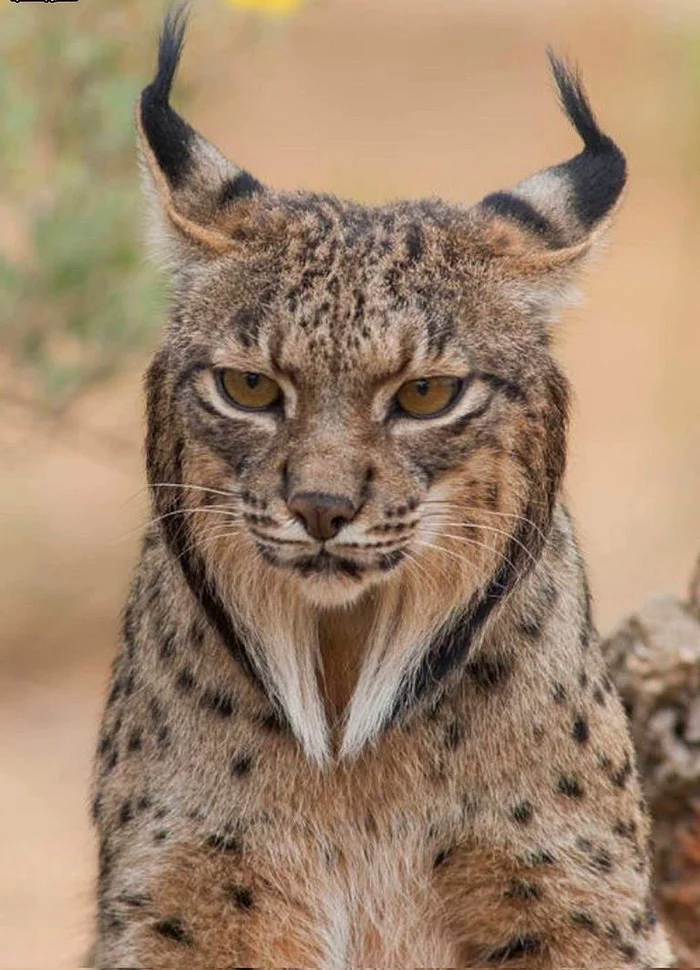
(412, 757)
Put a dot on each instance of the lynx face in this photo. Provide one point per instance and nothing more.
(354, 400)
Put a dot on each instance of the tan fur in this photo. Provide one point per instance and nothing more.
(397, 746)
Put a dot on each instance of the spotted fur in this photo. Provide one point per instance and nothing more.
(397, 746)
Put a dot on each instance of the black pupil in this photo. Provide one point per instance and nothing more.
(422, 387)
(252, 380)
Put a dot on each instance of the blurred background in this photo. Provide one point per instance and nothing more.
(367, 98)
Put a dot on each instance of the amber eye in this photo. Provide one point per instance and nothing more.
(252, 392)
(428, 396)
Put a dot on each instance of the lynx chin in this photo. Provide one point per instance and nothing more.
(360, 717)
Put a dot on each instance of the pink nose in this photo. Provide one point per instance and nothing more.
(323, 515)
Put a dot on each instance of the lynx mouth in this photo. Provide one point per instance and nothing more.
(326, 564)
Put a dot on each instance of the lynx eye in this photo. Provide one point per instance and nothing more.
(428, 396)
(252, 392)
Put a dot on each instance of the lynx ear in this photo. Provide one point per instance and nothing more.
(550, 220)
(200, 196)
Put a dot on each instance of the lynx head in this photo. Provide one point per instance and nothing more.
(356, 401)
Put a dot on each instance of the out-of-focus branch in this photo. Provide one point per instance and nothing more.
(654, 658)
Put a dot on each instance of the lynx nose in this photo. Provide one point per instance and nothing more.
(323, 515)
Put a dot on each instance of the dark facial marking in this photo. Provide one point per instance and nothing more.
(134, 900)
(174, 928)
(169, 468)
(126, 813)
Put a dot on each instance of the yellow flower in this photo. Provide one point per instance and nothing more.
(268, 6)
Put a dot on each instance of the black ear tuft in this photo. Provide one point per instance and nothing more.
(172, 41)
(169, 136)
(598, 174)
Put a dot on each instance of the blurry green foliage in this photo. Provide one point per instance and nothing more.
(76, 293)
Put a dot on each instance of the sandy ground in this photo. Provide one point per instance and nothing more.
(373, 98)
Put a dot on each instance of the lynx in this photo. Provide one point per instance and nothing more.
(360, 716)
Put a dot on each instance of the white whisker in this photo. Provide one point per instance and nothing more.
(488, 528)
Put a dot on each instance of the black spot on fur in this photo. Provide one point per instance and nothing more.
(241, 897)
(274, 722)
(531, 626)
(126, 813)
(602, 860)
(489, 672)
(218, 702)
(569, 786)
(525, 891)
(537, 857)
(453, 735)
(389, 560)
(625, 830)
(559, 692)
(517, 948)
(580, 731)
(585, 921)
(241, 765)
(523, 813)
(167, 647)
(621, 777)
(185, 680)
(224, 843)
(442, 857)
(174, 928)
(135, 740)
